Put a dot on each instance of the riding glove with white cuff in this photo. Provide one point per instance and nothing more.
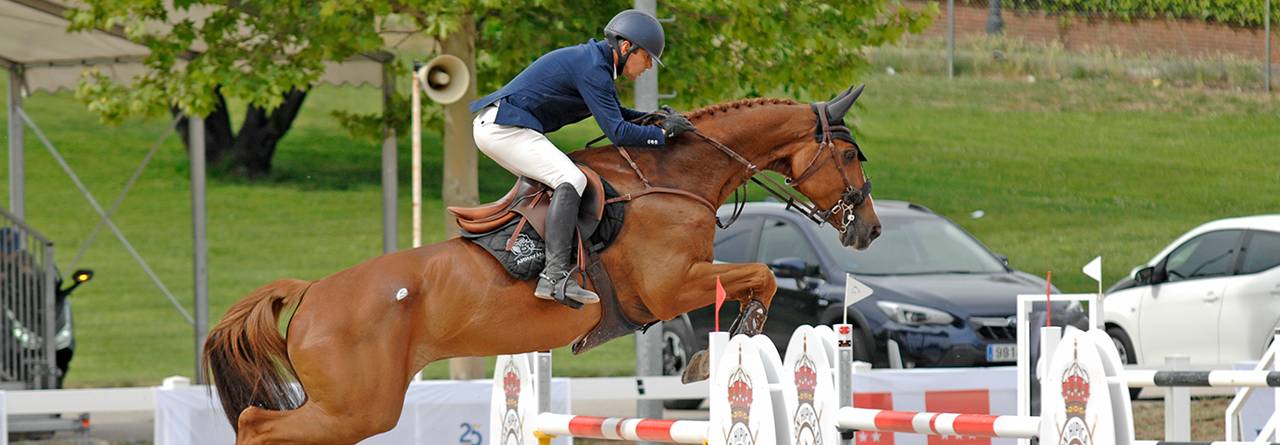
(674, 123)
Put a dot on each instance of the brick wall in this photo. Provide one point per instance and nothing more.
(1185, 37)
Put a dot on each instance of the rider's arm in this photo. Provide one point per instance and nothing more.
(629, 114)
(602, 100)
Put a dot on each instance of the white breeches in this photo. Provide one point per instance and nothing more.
(525, 152)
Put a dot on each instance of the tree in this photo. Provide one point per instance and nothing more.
(269, 52)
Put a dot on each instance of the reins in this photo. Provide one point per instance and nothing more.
(851, 199)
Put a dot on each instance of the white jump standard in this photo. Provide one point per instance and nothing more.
(758, 399)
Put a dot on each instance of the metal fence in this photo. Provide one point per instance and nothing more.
(28, 283)
(982, 36)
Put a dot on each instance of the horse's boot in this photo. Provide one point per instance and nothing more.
(556, 281)
(750, 322)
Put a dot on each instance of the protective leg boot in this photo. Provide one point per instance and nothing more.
(555, 283)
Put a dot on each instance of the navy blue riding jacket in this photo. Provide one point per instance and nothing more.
(566, 86)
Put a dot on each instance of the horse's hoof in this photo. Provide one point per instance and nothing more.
(699, 368)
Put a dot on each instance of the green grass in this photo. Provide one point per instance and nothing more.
(1064, 170)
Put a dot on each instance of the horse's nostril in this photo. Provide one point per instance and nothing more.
(875, 232)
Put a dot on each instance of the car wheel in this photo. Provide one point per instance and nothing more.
(677, 348)
(1124, 346)
(63, 360)
(862, 346)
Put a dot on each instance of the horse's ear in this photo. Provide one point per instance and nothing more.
(837, 108)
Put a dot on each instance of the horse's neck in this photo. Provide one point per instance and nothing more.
(755, 133)
(692, 164)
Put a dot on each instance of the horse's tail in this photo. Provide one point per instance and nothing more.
(247, 356)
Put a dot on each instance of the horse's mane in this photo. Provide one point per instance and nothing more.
(713, 109)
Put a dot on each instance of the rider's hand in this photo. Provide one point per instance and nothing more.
(675, 123)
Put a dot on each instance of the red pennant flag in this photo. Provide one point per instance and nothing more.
(719, 301)
(1048, 286)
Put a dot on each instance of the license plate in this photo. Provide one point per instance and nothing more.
(1002, 352)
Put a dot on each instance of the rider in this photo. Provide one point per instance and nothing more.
(562, 87)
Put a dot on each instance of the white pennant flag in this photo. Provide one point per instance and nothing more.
(1094, 269)
(854, 291)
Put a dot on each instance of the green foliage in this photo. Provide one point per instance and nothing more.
(257, 51)
(716, 51)
(1248, 13)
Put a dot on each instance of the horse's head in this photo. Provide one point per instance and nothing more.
(828, 170)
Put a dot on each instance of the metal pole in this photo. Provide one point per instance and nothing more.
(416, 143)
(390, 179)
(649, 343)
(17, 174)
(199, 241)
(1266, 20)
(543, 388)
(844, 372)
(1177, 404)
(951, 39)
(50, 371)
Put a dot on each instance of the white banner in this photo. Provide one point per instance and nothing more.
(952, 390)
(435, 412)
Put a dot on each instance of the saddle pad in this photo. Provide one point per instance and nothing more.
(527, 255)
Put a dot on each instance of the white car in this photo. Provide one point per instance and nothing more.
(1212, 295)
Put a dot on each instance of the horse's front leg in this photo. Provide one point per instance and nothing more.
(752, 285)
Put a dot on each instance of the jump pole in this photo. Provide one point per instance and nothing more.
(550, 425)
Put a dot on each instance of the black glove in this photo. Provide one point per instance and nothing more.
(675, 123)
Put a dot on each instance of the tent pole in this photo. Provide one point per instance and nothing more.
(390, 180)
(17, 173)
(199, 242)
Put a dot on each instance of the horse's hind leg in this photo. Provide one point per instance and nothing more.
(344, 406)
(353, 365)
(357, 393)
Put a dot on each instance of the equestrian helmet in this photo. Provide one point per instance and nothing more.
(639, 28)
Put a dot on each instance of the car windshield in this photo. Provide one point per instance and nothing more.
(914, 246)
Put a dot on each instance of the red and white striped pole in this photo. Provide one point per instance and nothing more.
(619, 428)
(941, 424)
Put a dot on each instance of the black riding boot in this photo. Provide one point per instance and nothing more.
(562, 217)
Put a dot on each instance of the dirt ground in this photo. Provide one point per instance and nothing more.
(1207, 419)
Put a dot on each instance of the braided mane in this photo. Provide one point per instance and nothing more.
(713, 109)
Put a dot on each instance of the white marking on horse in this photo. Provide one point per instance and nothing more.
(400, 294)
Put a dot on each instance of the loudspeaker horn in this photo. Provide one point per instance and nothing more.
(445, 78)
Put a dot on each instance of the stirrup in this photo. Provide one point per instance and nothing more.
(559, 291)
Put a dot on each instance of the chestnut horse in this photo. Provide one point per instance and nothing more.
(357, 337)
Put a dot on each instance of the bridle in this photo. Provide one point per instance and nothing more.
(852, 198)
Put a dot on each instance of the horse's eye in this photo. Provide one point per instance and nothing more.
(849, 155)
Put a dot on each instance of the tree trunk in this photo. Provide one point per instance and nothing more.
(995, 24)
(460, 180)
(256, 144)
(249, 152)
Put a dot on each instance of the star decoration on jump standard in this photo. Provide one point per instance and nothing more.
(868, 436)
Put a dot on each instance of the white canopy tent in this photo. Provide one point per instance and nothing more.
(40, 54)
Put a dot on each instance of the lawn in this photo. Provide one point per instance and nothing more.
(1063, 170)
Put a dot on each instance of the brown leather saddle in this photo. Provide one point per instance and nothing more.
(530, 199)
